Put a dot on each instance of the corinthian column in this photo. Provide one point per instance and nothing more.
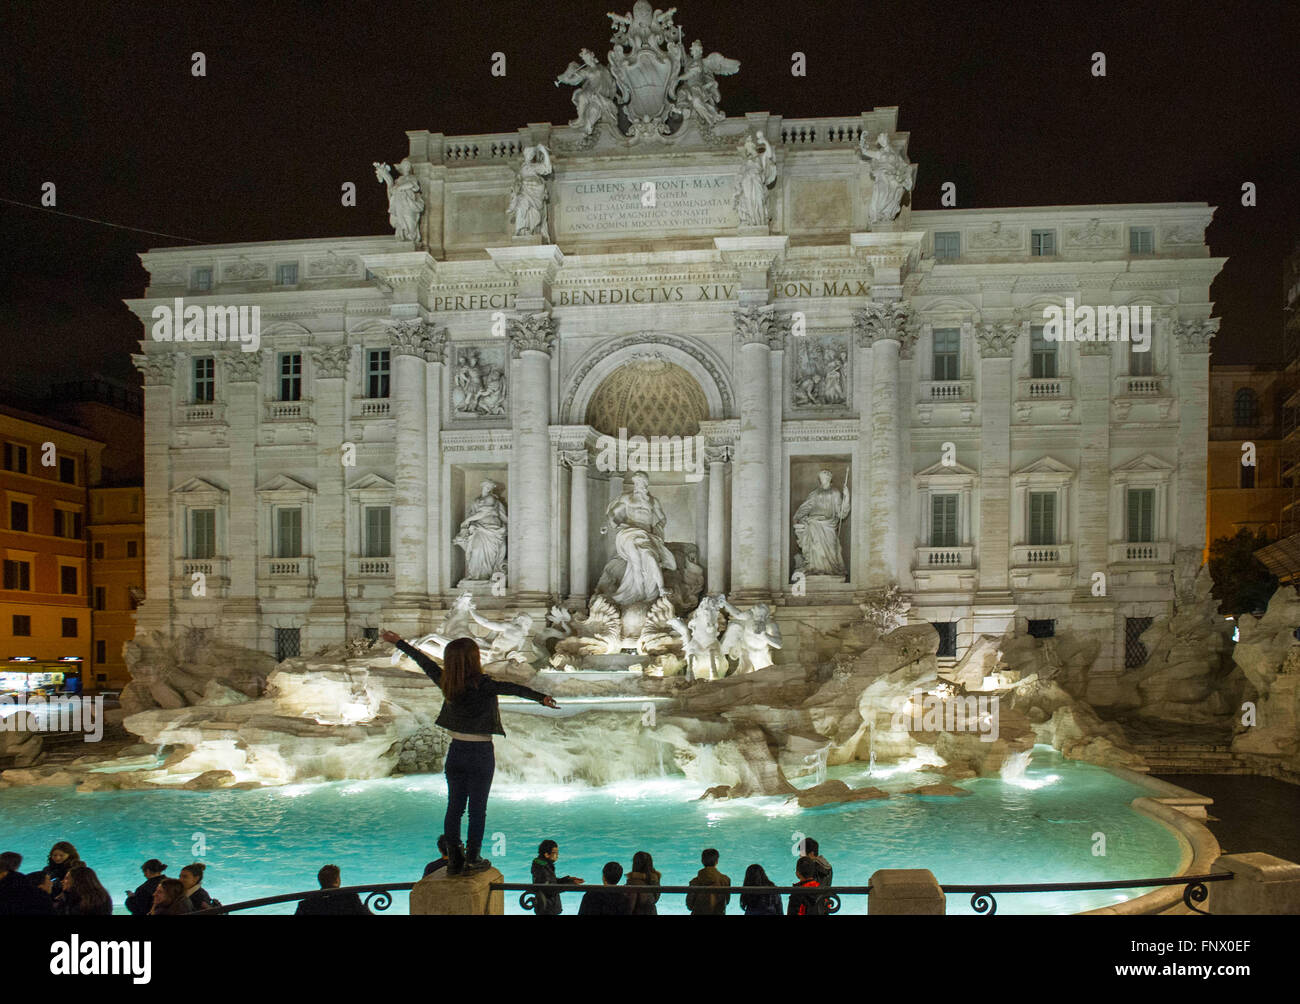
(717, 456)
(576, 461)
(532, 338)
(752, 525)
(328, 621)
(243, 405)
(884, 327)
(435, 358)
(1193, 446)
(409, 346)
(996, 343)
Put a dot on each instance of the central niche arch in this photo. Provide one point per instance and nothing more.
(648, 397)
(690, 371)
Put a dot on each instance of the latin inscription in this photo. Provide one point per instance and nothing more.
(627, 205)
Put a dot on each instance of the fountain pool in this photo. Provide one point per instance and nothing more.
(1037, 827)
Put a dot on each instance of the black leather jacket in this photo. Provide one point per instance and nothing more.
(475, 711)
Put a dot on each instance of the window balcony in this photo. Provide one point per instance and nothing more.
(287, 411)
(203, 413)
(1044, 389)
(1141, 386)
(941, 558)
(1041, 555)
(940, 391)
(1159, 552)
(215, 580)
(371, 408)
(370, 568)
(284, 568)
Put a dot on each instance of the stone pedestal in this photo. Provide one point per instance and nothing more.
(1263, 885)
(902, 891)
(440, 895)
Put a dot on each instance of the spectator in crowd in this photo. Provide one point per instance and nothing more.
(83, 895)
(703, 904)
(331, 904)
(19, 893)
(824, 873)
(63, 857)
(548, 904)
(169, 899)
(643, 874)
(192, 879)
(805, 904)
(760, 904)
(140, 902)
(606, 900)
(441, 862)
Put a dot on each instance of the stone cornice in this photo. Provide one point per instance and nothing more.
(528, 261)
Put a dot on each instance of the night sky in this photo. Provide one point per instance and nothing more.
(300, 97)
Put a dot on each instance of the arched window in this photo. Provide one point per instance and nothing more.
(1245, 407)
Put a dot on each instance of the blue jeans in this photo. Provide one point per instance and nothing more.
(469, 768)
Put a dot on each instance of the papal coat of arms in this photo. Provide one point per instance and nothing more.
(652, 84)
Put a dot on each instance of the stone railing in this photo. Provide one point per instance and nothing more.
(284, 568)
(937, 391)
(489, 146)
(371, 407)
(203, 413)
(1141, 386)
(945, 557)
(1153, 552)
(1043, 388)
(370, 568)
(1031, 555)
(287, 411)
(215, 581)
(828, 132)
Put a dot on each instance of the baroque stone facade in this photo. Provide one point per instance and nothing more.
(302, 494)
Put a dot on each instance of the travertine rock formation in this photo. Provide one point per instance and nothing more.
(1268, 653)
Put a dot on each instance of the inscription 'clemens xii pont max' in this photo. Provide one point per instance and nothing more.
(689, 202)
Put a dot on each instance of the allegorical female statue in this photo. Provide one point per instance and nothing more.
(528, 199)
(891, 176)
(638, 521)
(482, 535)
(597, 92)
(757, 175)
(817, 528)
(405, 203)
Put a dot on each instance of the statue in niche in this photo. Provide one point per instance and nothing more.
(638, 521)
(482, 535)
(817, 528)
(530, 196)
(405, 203)
(598, 92)
(700, 645)
(697, 85)
(479, 387)
(750, 637)
(757, 176)
(510, 641)
(891, 176)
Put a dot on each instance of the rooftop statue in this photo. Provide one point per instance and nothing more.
(598, 94)
(405, 203)
(891, 176)
(529, 198)
(697, 86)
(757, 175)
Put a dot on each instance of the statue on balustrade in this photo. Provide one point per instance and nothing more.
(530, 196)
(891, 176)
(757, 175)
(817, 528)
(482, 535)
(750, 637)
(405, 203)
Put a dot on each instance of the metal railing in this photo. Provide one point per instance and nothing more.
(825, 900)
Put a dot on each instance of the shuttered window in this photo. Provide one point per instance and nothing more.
(943, 520)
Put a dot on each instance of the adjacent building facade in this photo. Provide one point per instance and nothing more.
(312, 490)
(1245, 426)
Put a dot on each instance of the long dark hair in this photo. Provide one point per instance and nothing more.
(754, 875)
(644, 864)
(461, 668)
(84, 893)
(73, 858)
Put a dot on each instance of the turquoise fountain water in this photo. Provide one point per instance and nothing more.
(1036, 827)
